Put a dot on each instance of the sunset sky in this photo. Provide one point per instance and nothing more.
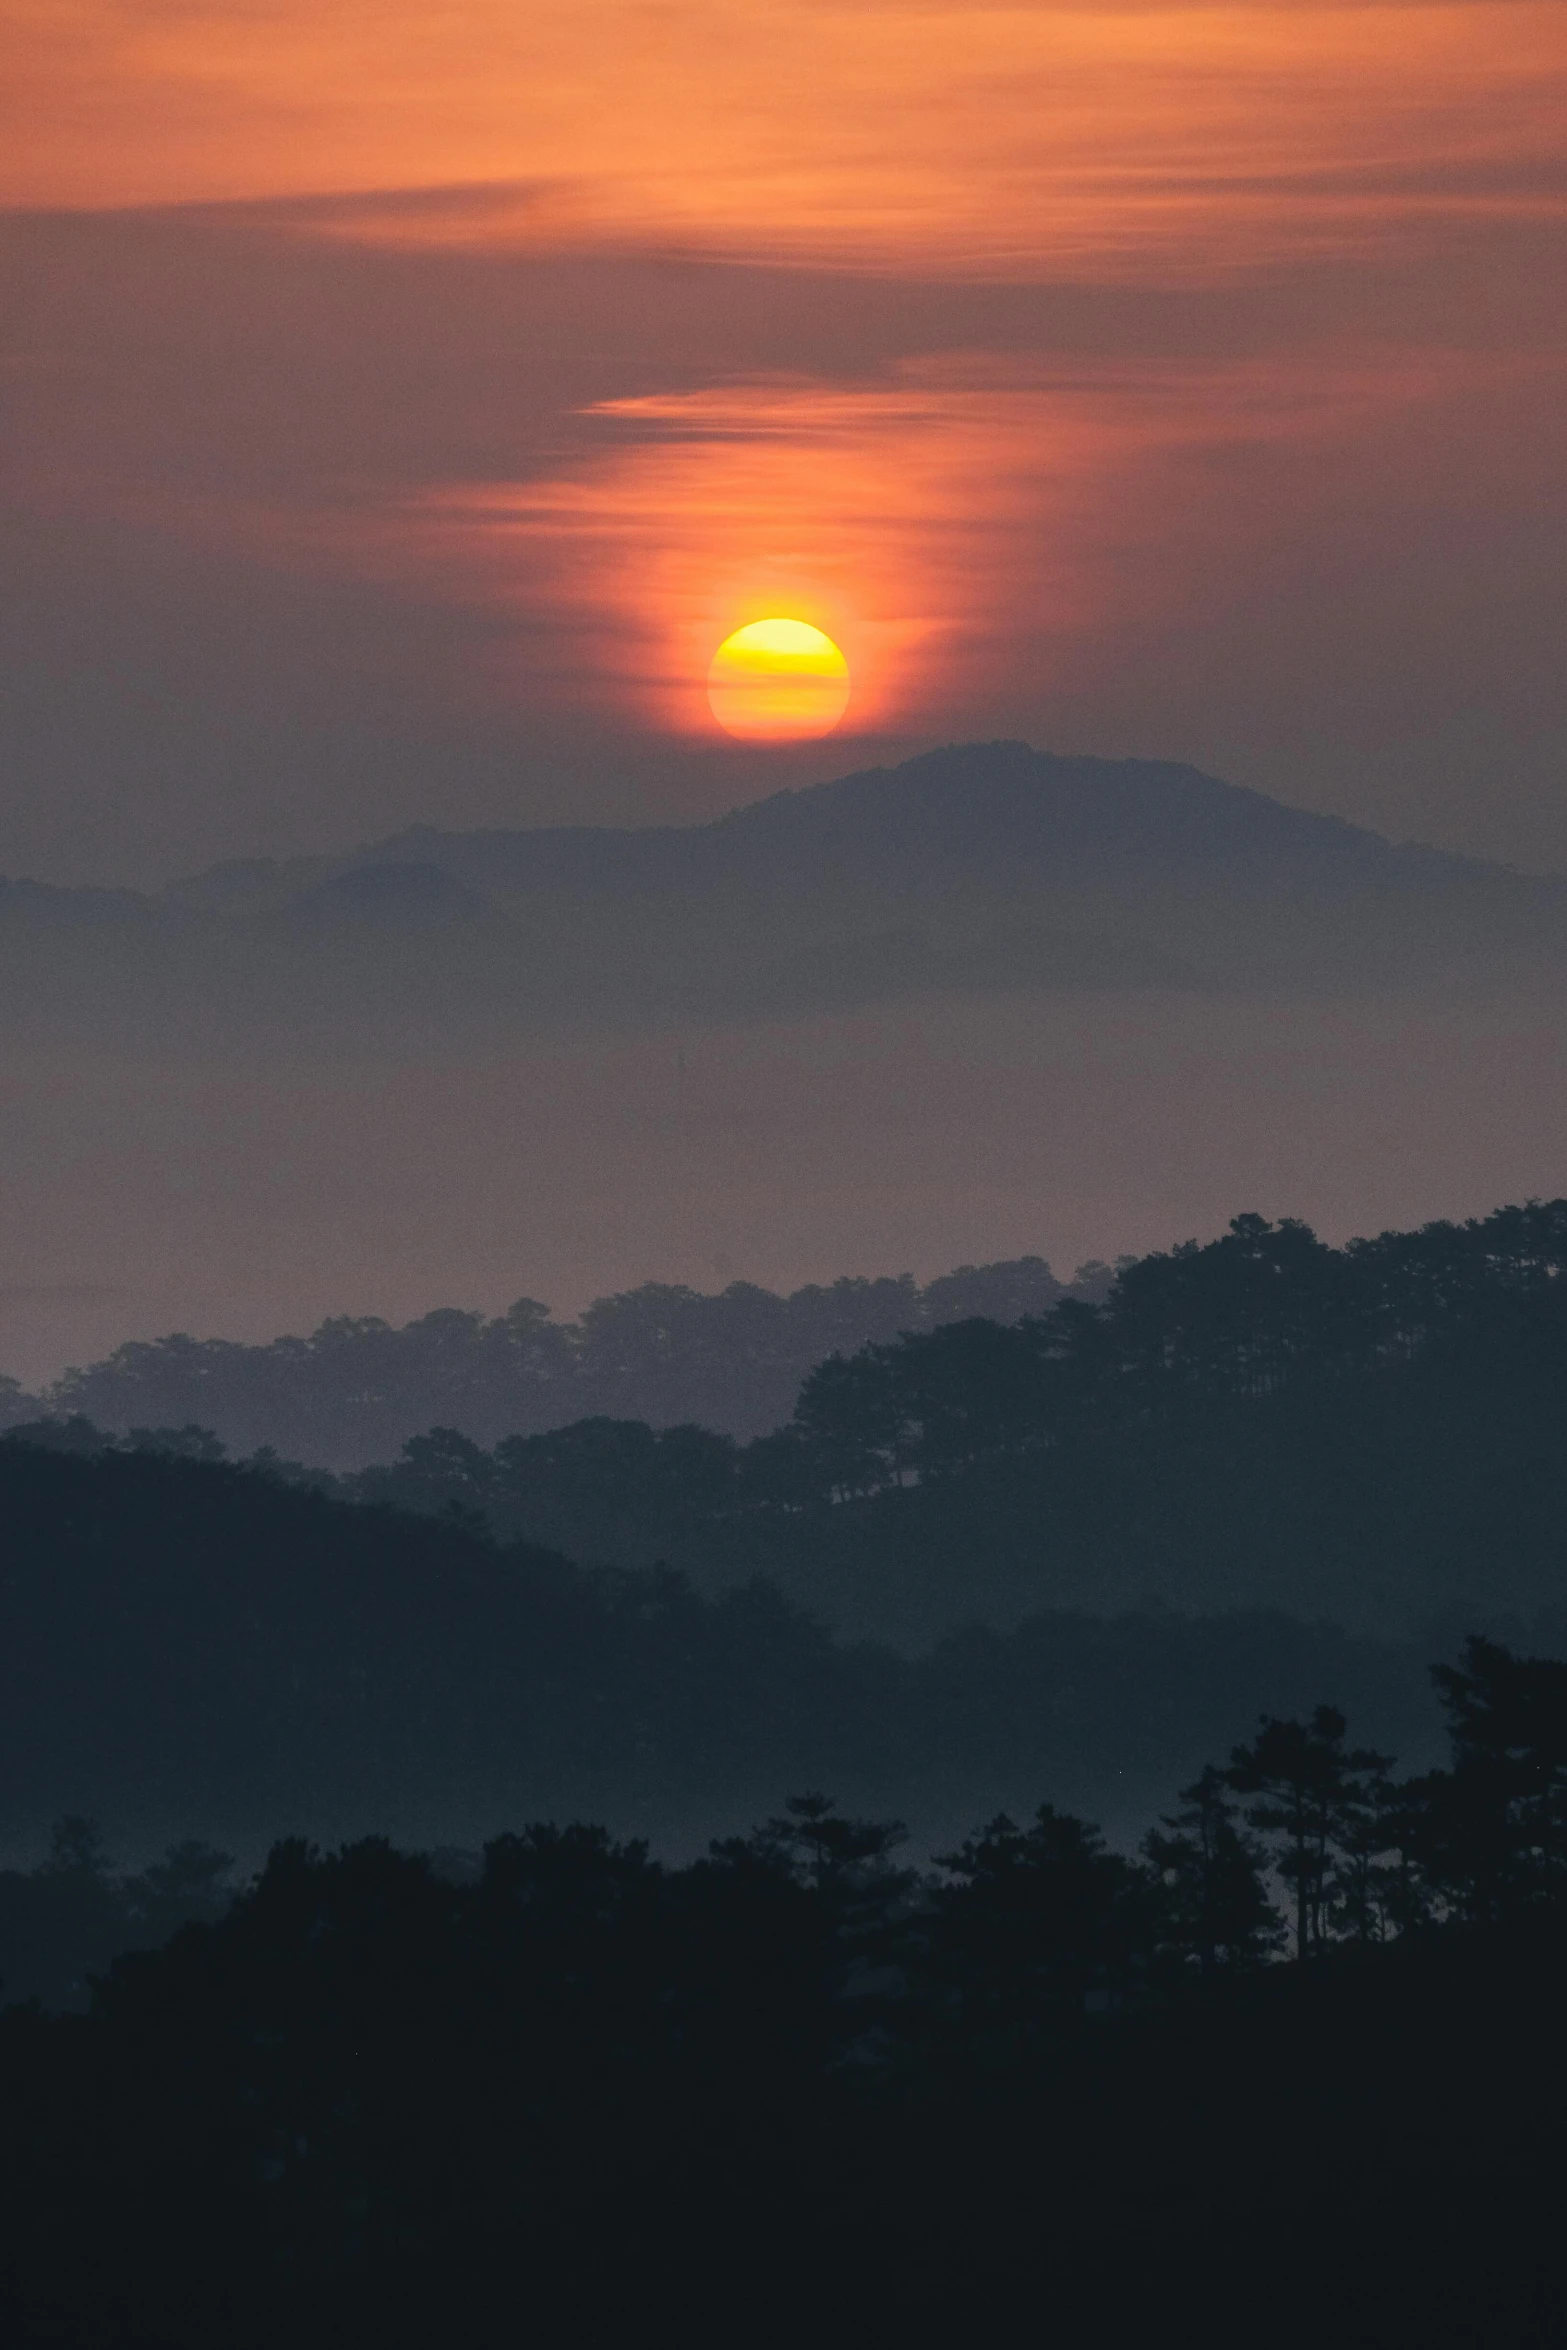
(402, 402)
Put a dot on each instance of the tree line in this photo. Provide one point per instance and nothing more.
(858, 1387)
(387, 2091)
(354, 1389)
(1369, 1432)
(1297, 1814)
(64, 1922)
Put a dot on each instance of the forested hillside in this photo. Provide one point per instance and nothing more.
(1376, 1433)
(1066, 1555)
(356, 1388)
(388, 2092)
(1372, 1434)
(189, 1650)
(934, 2014)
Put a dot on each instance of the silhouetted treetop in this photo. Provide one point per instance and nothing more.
(1369, 1431)
(356, 1388)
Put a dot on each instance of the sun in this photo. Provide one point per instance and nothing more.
(778, 681)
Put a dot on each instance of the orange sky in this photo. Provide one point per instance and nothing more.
(1158, 378)
(1004, 137)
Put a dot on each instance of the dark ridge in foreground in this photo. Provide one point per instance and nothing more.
(193, 1650)
(796, 2088)
(344, 2148)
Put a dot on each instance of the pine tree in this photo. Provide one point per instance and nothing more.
(1490, 1834)
(1294, 1771)
(1039, 1918)
(1367, 1884)
(1217, 1912)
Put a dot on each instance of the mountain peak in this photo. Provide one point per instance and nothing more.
(982, 867)
(1004, 799)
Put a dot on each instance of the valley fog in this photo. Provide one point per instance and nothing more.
(259, 1192)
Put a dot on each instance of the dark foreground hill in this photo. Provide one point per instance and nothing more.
(797, 2090)
(318, 2148)
(1370, 2158)
(193, 1650)
(980, 868)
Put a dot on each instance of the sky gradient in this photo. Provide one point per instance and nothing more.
(402, 403)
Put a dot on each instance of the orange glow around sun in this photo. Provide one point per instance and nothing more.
(778, 681)
(1068, 278)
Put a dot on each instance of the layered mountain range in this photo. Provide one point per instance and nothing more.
(985, 867)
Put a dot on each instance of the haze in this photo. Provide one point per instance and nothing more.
(401, 407)
(783, 1171)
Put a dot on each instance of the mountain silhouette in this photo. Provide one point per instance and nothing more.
(981, 867)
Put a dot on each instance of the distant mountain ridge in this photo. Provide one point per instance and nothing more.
(982, 867)
(978, 806)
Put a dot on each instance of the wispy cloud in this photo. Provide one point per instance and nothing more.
(927, 524)
(1170, 377)
(1017, 138)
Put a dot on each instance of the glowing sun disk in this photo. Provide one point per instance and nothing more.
(778, 680)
